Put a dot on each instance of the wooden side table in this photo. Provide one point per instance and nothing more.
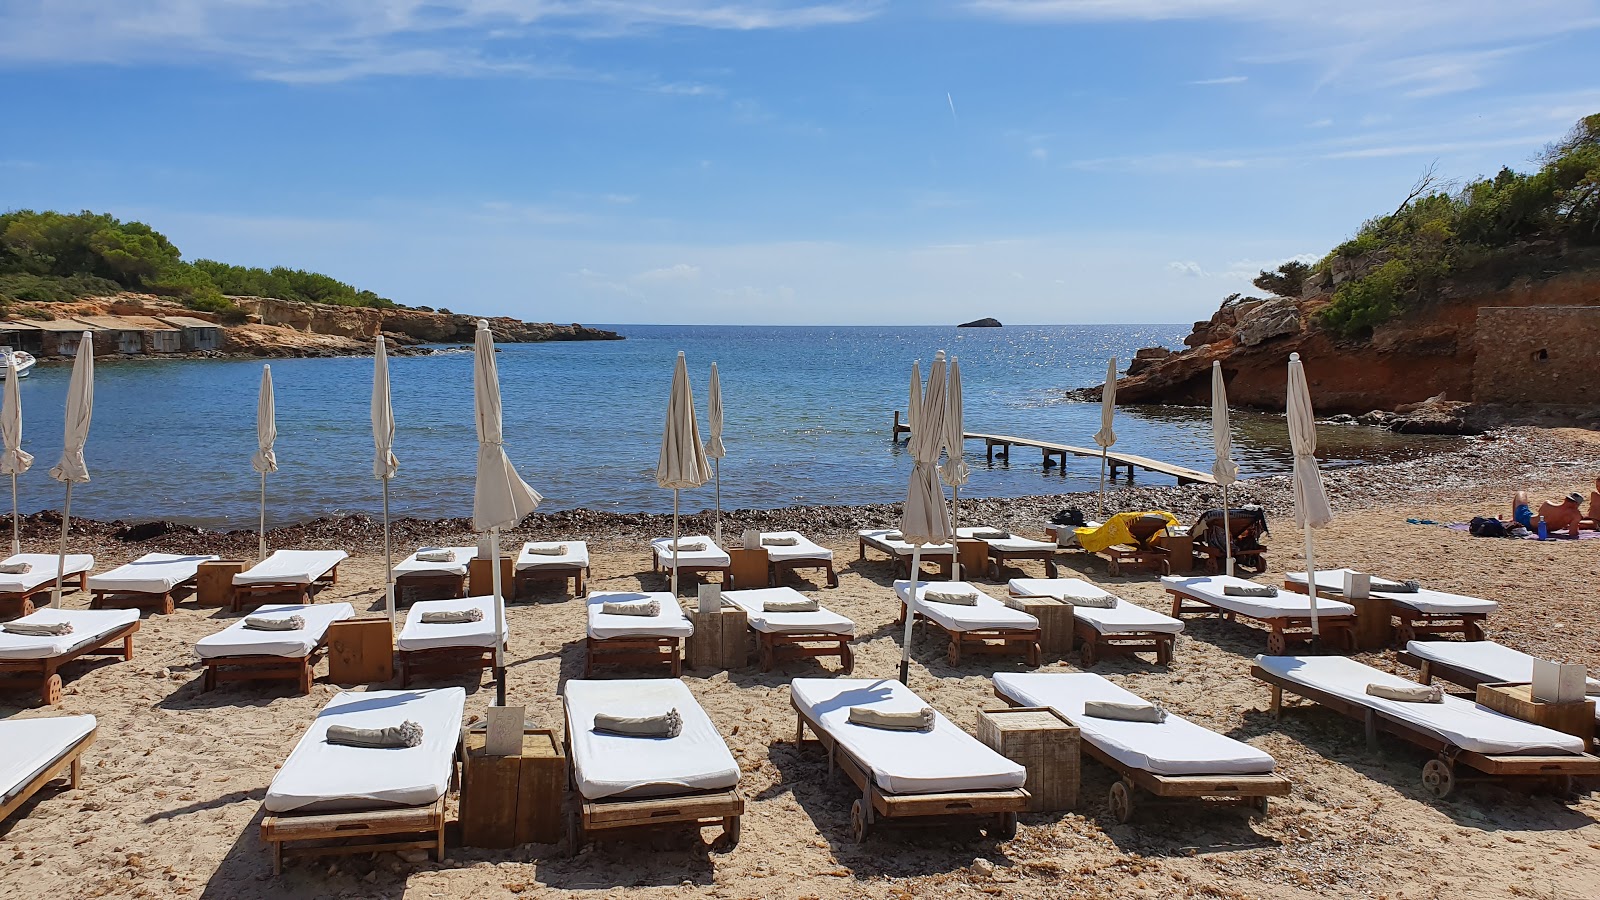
(1180, 551)
(1374, 625)
(1056, 624)
(213, 581)
(1516, 700)
(974, 557)
(1044, 743)
(747, 568)
(721, 639)
(360, 651)
(511, 800)
(480, 577)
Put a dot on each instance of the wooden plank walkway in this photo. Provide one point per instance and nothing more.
(1116, 461)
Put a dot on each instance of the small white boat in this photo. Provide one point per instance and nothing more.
(23, 359)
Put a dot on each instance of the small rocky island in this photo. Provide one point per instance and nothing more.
(981, 323)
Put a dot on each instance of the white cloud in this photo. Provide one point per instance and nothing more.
(1228, 79)
(1188, 269)
(675, 272)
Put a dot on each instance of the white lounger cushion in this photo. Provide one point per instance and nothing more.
(29, 746)
(1426, 601)
(823, 621)
(237, 640)
(1209, 589)
(1014, 542)
(802, 548)
(291, 567)
(323, 777)
(670, 622)
(1460, 722)
(1488, 660)
(944, 760)
(577, 556)
(712, 555)
(879, 537)
(44, 569)
(1124, 618)
(989, 614)
(413, 566)
(610, 765)
(152, 573)
(417, 635)
(88, 626)
(1174, 747)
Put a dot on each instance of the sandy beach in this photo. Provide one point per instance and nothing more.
(170, 800)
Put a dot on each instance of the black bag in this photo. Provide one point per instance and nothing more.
(1071, 516)
(1486, 527)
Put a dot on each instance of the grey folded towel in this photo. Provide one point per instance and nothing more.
(889, 720)
(453, 616)
(37, 629)
(990, 534)
(264, 623)
(16, 568)
(956, 598)
(787, 541)
(894, 536)
(687, 546)
(444, 556)
(1125, 712)
(406, 734)
(1256, 590)
(1415, 693)
(790, 606)
(668, 724)
(1104, 601)
(546, 549)
(652, 608)
(1385, 586)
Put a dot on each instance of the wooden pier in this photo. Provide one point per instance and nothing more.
(1050, 450)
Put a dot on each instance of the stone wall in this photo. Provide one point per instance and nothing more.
(1537, 354)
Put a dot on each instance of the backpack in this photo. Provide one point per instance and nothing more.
(1071, 516)
(1487, 527)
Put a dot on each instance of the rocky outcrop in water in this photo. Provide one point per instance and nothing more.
(981, 323)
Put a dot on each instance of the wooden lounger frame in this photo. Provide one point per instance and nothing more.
(160, 604)
(986, 640)
(638, 650)
(1283, 629)
(782, 567)
(431, 584)
(579, 575)
(262, 667)
(902, 564)
(71, 760)
(716, 807)
(656, 565)
(1095, 645)
(774, 647)
(1416, 624)
(1004, 805)
(244, 594)
(406, 827)
(1439, 775)
(19, 604)
(444, 661)
(1428, 670)
(999, 559)
(1251, 790)
(44, 672)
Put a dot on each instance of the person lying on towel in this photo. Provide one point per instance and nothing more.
(1563, 514)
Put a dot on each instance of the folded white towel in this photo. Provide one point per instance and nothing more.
(444, 556)
(1104, 601)
(667, 725)
(1125, 712)
(1255, 590)
(1417, 693)
(393, 737)
(16, 568)
(691, 546)
(907, 720)
(547, 549)
(264, 623)
(894, 536)
(787, 541)
(37, 629)
(1385, 586)
(790, 606)
(647, 608)
(453, 616)
(958, 598)
(990, 534)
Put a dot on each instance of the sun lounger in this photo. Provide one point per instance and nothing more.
(1471, 663)
(1127, 628)
(1004, 551)
(1172, 759)
(802, 554)
(573, 564)
(1425, 612)
(427, 648)
(237, 653)
(900, 552)
(1459, 731)
(17, 591)
(433, 579)
(988, 627)
(626, 782)
(288, 571)
(37, 660)
(358, 795)
(33, 753)
(627, 640)
(147, 581)
(795, 634)
(1288, 615)
(910, 774)
(690, 562)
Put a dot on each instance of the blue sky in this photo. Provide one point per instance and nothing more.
(777, 161)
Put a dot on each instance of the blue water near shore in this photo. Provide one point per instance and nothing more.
(808, 411)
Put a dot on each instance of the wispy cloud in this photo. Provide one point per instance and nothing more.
(1227, 79)
(1187, 268)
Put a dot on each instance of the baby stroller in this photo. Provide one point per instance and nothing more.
(1248, 524)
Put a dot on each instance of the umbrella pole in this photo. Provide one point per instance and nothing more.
(717, 538)
(61, 555)
(1227, 535)
(499, 621)
(1102, 482)
(388, 558)
(955, 525)
(911, 614)
(261, 529)
(1311, 590)
(675, 540)
(16, 534)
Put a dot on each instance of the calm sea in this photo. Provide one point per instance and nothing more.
(808, 411)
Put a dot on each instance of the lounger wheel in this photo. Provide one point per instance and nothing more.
(858, 822)
(1438, 778)
(1121, 801)
(1277, 644)
(1087, 655)
(1005, 826)
(1473, 631)
(50, 691)
(1405, 634)
(1166, 567)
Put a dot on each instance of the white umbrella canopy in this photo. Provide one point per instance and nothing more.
(501, 498)
(1311, 508)
(384, 463)
(1105, 437)
(265, 461)
(72, 469)
(925, 519)
(683, 461)
(1224, 470)
(954, 472)
(714, 448)
(14, 460)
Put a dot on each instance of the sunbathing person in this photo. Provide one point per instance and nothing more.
(1563, 515)
(1594, 504)
(1521, 512)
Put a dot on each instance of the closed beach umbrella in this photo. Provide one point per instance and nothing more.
(1105, 437)
(14, 461)
(1225, 470)
(925, 519)
(683, 458)
(954, 472)
(1311, 508)
(72, 469)
(502, 498)
(264, 460)
(714, 448)
(384, 464)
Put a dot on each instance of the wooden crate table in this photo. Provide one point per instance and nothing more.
(1055, 622)
(360, 651)
(974, 558)
(480, 577)
(1516, 700)
(721, 639)
(748, 568)
(213, 581)
(1374, 628)
(511, 800)
(1180, 548)
(1044, 743)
